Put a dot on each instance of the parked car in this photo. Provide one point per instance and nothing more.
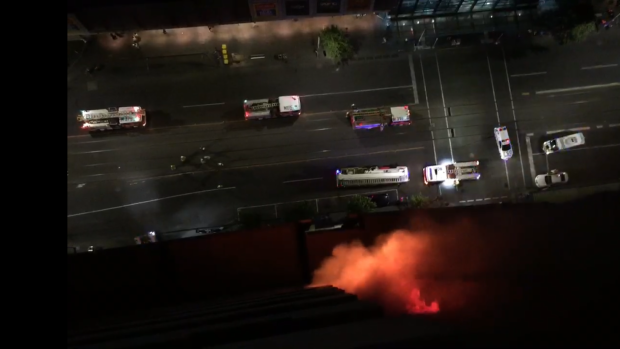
(562, 143)
(552, 178)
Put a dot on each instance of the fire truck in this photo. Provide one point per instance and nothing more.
(452, 173)
(369, 118)
(112, 118)
(272, 107)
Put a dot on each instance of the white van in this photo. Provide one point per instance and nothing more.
(562, 143)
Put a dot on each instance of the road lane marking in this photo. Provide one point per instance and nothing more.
(272, 164)
(413, 82)
(599, 66)
(599, 126)
(202, 105)
(614, 125)
(356, 91)
(499, 123)
(514, 118)
(430, 120)
(486, 199)
(303, 180)
(445, 110)
(579, 88)
(320, 129)
(530, 158)
(529, 134)
(586, 148)
(525, 93)
(585, 128)
(579, 128)
(528, 74)
(147, 201)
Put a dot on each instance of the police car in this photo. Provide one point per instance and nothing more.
(503, 142)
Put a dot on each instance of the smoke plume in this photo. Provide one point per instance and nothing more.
(384, 273)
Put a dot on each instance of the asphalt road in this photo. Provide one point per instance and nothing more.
(121, 185)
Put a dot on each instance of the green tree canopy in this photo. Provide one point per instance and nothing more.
(419, 201)
(360, 204)
(336, 44)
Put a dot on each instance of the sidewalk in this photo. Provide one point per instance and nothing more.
(297, 39)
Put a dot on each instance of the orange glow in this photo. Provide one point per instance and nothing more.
(384, 273)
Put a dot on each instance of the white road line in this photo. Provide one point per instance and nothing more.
(445, 111)
(599, 66)
(148, 201)
(279, 163)
(514, 118)
(478, 199)
(594, 147)
(428, 110)
(555, 131)
(486, 199)
(470, 200)
(462, 201)
(614, 125)
(579, 88)
(499, 123)
(530, 157)
(202, 105)
(529, 134)
(93, 152)
(304, 180)
(585, 128)
(357, 91)
(528, 74)
(599, 126)
(413, 82)
(319, 129)
(96, 175)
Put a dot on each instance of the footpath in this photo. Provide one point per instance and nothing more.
(374, 38)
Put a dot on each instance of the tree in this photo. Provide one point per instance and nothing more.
(580, 32)
(301, 211)
(250, 220)
(336, 44)
(360, 204)
(419, 201)
(570, 21)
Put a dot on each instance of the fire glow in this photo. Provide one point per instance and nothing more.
(384, 273)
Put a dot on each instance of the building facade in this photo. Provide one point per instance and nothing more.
(101, 16)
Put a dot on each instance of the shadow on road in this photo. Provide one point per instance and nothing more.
(262, 125)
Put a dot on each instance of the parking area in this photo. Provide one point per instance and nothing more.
(595, 162)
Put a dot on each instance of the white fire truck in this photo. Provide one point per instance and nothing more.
(112, 118)
(379, 117)
(452, 173)
(371, 175)
(272, 107)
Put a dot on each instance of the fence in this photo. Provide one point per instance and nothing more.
(325, 205)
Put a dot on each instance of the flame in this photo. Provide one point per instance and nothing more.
(384, 273)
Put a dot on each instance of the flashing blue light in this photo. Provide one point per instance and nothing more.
(337, 172)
